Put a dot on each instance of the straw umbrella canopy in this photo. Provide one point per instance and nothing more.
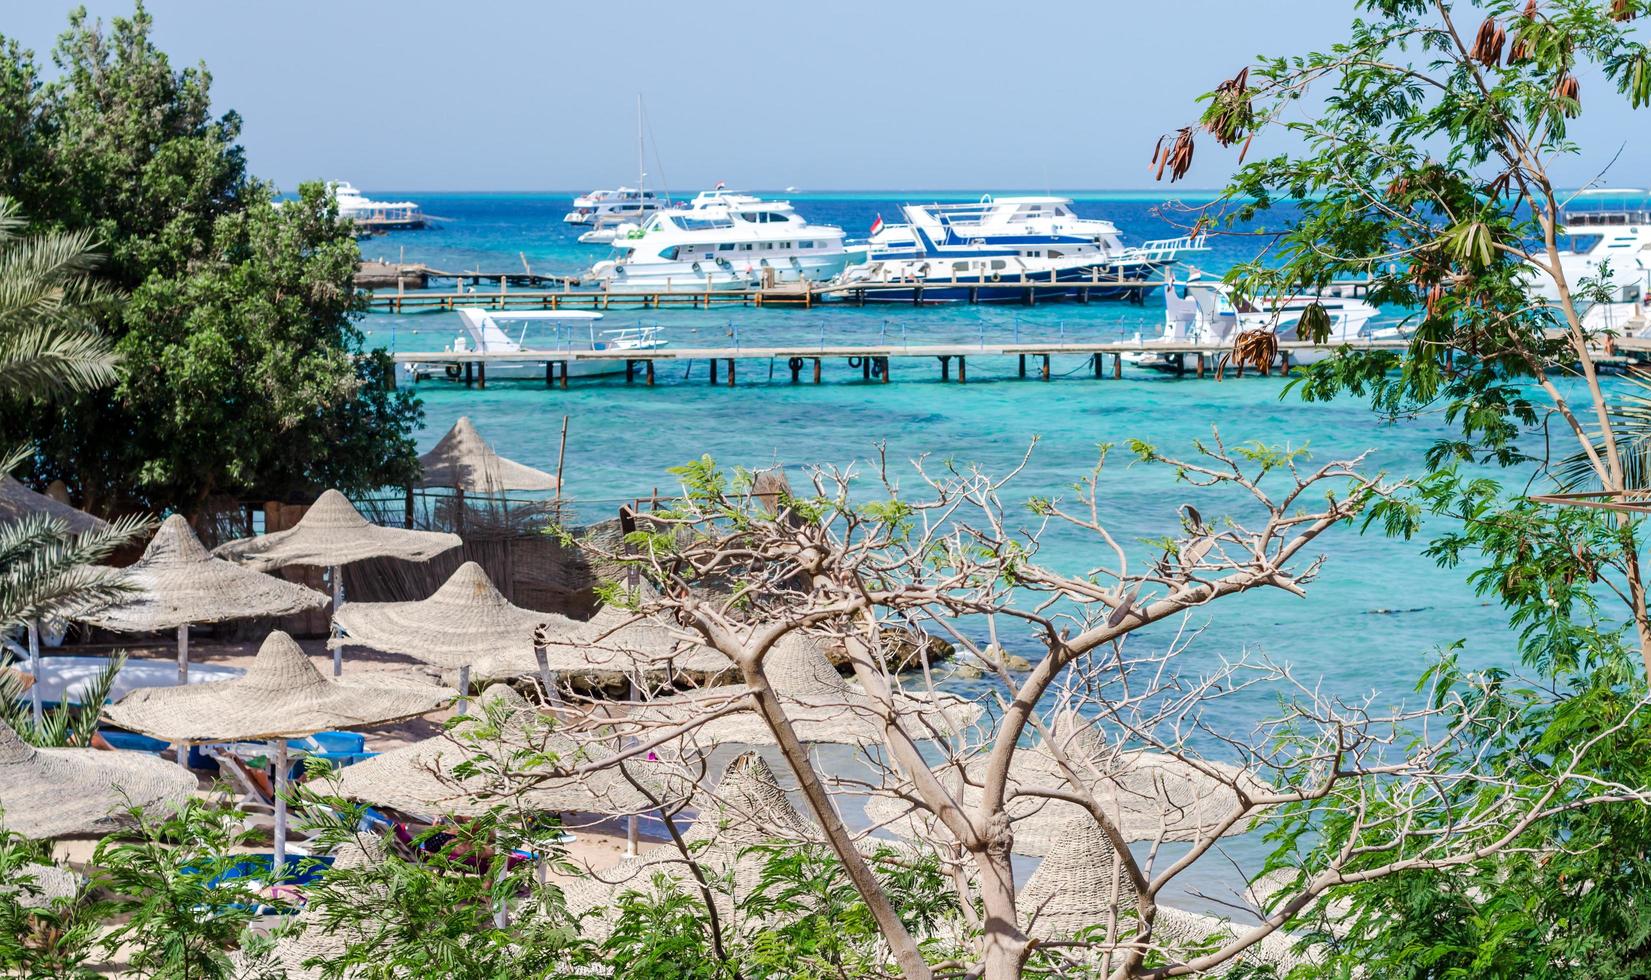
(746, 809)
(177, 583)
(420, 778)
(281, 696)
(331, 534)
(822, 705)
(1177, 929)
(464, 461)
(465, 620)
(1150, 796)
(613, 643)
(1079, 885)
(48, 883)
(18, 501)
(47, 793)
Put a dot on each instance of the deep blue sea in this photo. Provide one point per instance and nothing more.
(1368, 625)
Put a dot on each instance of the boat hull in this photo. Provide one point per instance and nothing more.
(516, 370)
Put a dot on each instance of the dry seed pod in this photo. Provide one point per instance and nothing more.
(1570, 91)
(1622, 10)
(1487, 46)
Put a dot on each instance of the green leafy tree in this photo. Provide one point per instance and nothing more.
(178, 905)
(246, 371)
(1427, 167)
(1425, 162)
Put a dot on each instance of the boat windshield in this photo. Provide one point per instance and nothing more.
(702, 222)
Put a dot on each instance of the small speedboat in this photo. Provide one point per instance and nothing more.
(484, 333)
(1208, 316)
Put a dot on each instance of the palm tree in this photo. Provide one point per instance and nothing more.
(50, 346)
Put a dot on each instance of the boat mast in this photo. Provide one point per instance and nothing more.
(641, 158)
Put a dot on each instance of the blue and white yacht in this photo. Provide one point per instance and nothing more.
(990, 249)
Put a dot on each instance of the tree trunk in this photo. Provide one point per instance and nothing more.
(900, 941)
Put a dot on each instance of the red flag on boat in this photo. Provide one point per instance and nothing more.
(877, 226)
(721, 184)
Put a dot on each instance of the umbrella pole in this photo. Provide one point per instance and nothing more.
(464, 690)
(545, 676)
(34, 672)
(337, 600)
(183, 678)
(632, 831)
(279, 868)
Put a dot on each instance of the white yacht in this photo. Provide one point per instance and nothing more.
(622, 204)
(1605, 228)
(981, 249)
(374, 216)
(735, 241)
(1207, 315)
(608, 227)
(483, 331)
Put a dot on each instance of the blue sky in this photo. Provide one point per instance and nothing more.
(519, 95)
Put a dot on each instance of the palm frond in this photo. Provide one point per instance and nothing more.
(1630, 421)
(71, 725)
(49, 342)
(45, 571)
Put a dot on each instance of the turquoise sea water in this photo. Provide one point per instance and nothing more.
(1367, 625)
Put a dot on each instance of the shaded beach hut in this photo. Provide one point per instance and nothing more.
(280, 697)
(1078, 886)
(612, 645)
(331, 535)
(48, 793)
(18, 501)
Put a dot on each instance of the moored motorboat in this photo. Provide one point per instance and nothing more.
(1208, 316)
(732, 241)
(485, 334)
(992, 249)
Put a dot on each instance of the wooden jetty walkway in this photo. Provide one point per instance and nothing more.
(418, 276)
(805, 295)
(870, 361)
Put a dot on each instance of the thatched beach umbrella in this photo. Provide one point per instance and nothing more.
(1150, 796)
(46, 793)
(281, 696)
(614, 643)
(746, 809)
(333, 534)
(420, 778)
(1181, 932)
(178, 583)
(465, 462)
(465, 620)
(822, 705)
(48, 883)
(16, 503)
(1079, 885)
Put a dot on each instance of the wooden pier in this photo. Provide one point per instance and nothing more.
(1029, 291)
(870, 362)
